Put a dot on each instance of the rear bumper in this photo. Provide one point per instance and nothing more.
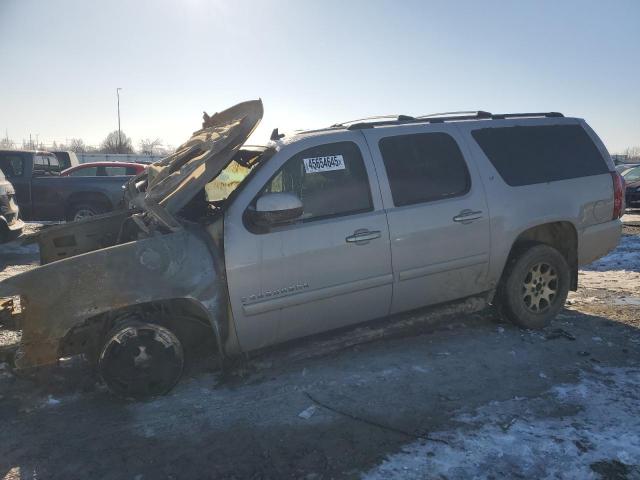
(598, 240)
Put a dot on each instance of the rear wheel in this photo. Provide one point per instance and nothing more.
(534, 287)
(141, 360)
(82, 211)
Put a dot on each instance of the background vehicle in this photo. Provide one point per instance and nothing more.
(623, 167)
(43, 195)
(631, 178)
(10, 223)
(104, 169)
(66, 159)
(321, 230)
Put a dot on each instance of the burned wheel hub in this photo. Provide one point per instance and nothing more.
(540, 287)
(140, 360)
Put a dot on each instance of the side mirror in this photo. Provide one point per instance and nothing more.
(277, 209)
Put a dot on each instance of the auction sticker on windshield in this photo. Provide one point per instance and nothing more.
(323, 164)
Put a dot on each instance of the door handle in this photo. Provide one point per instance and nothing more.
(363, 236)
(467, 216)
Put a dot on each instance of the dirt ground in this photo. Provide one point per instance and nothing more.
(461, 398)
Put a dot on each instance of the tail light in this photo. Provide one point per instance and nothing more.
(618, 195)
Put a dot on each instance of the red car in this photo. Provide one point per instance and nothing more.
(104, 169)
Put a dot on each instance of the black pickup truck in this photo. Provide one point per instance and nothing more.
(42, 194)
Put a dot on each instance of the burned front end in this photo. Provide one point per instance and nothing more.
(150, 277)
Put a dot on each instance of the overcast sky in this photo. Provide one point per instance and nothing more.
(312, 62)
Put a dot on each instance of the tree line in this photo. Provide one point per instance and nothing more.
(114, 142)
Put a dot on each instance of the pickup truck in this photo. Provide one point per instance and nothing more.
(246, 247)
(42, 194)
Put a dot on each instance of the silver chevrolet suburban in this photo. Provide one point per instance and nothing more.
(243, 247)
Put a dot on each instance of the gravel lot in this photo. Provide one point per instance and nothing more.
(469, 397)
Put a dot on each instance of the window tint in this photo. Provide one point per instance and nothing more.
(330, 180)
(538, 154)
(632, 175)
(11, 165)
(54, 164)
(85, 172)
(132, 171)
(116, 171)
(424, 167)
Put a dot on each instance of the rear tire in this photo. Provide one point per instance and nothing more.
(534, 286)
(140, 360)
(83, 210)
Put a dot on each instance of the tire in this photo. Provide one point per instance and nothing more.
(81, 211)
(140, 360)
(534, 286)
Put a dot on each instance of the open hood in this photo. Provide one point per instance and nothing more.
(169, 184)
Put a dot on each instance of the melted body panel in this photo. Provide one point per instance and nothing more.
(176, 265)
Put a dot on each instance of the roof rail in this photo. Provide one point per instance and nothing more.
(450, 117)
(399, 117)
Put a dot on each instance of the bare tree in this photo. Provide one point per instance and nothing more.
(147, 145)
(116, 143)
(633, 154)
(7, 144)
(77, 145)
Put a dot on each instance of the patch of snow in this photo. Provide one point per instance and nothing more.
(505, 440)
(627, 301)
(307, 413)
(625, 257)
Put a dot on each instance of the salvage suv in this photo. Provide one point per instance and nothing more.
(247, 247)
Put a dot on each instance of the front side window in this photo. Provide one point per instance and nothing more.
(330, 180)
(424, 167)
(11, 165)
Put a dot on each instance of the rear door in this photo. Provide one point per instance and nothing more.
(46, 194)
(327, 270)
(437, 212)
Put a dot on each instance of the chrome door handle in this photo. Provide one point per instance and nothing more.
(467, 216)
(363, 236)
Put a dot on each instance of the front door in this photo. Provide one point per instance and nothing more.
(330, 268)
(438, 215)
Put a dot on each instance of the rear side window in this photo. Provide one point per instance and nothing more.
(540, 154)
(116, 171)
(330, 180)
(85, 172)
(424, 167)
(11, 165)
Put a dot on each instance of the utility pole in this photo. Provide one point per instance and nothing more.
(119, 134)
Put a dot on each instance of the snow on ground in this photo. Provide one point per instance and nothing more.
(632, 217)
(567, 433)
(619, 271)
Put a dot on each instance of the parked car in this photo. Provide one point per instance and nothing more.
(10, 223)
(324, 229)
(623, 167)
(631, 178)
(43, 194)
(67, 159)
(105, 169)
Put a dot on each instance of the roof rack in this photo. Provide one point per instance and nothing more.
(361, 120)
(448, 117)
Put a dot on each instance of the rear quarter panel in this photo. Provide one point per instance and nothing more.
(583, 201)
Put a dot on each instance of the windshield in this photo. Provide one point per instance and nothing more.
(235, 174)
(632, 175)
(226, 182)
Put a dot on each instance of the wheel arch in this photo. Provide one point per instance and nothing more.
(78, 198)
(561, 235)
(187, 317)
